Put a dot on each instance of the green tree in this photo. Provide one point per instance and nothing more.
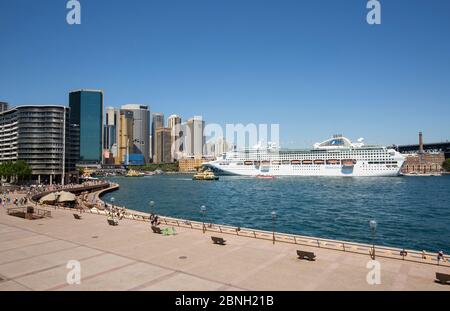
(19, 170)
(446, 165)
(7, 170)
(22, 170)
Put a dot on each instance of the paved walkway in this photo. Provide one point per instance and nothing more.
(34, 255)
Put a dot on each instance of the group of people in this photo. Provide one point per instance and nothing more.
(8, 199)
(116, 211)
(440, 256)
(154, 220)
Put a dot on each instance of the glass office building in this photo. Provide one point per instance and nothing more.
(86, 111)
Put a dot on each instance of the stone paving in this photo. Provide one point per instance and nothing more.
(34, 255)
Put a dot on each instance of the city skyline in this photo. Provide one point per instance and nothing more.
(315, 69)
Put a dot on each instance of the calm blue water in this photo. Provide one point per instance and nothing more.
(412, 212)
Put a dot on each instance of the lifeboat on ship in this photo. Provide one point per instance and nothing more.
(248, 163)
(307, 162)
(348, 163)
(296, 162)
(265, 162)
(276, 162)
(319, 162)
(333, 162)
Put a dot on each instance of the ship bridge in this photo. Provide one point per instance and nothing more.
(339, 142)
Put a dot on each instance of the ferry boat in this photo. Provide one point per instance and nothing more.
(205, 175)
(133, 173)
(337, 156)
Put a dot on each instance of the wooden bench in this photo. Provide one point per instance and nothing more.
(442, 278)
(306, 255)
(76, 216)
(218, 241)
(113, 222)
(156, 230)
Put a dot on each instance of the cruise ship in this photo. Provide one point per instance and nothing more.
(336, 156)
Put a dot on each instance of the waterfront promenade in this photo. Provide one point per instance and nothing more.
(34, 255)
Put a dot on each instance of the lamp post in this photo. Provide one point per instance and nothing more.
(373, 229)
(274, 217)
(151, 204)
(112, 207)
(203, 211)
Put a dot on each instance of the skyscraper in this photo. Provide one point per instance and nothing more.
(125, 136)
(163, 145)
(86, 111)
(140, 145)
(157, 122)
(174, 124)
(194, 137)
(111, 127)
(217, 147)
(173, 121)
(112, 131)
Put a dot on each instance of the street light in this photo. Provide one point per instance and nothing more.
(373, 229)
(152, 205)
(203, 211)
(274, 217)
(112, 207)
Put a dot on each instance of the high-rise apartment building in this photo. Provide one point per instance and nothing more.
(157, 122)
(41, 136)
(140, 145)
(163, 145)
(86, 111)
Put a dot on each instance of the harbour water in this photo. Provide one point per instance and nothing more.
(411, 212)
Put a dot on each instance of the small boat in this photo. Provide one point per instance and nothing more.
(265, 176)
(205, 175)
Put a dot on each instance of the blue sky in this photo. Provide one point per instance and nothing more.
(315, 67)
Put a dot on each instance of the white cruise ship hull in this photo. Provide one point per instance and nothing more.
(307, 170)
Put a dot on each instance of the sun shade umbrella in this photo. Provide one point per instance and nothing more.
(66, 197)
(49, 198)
